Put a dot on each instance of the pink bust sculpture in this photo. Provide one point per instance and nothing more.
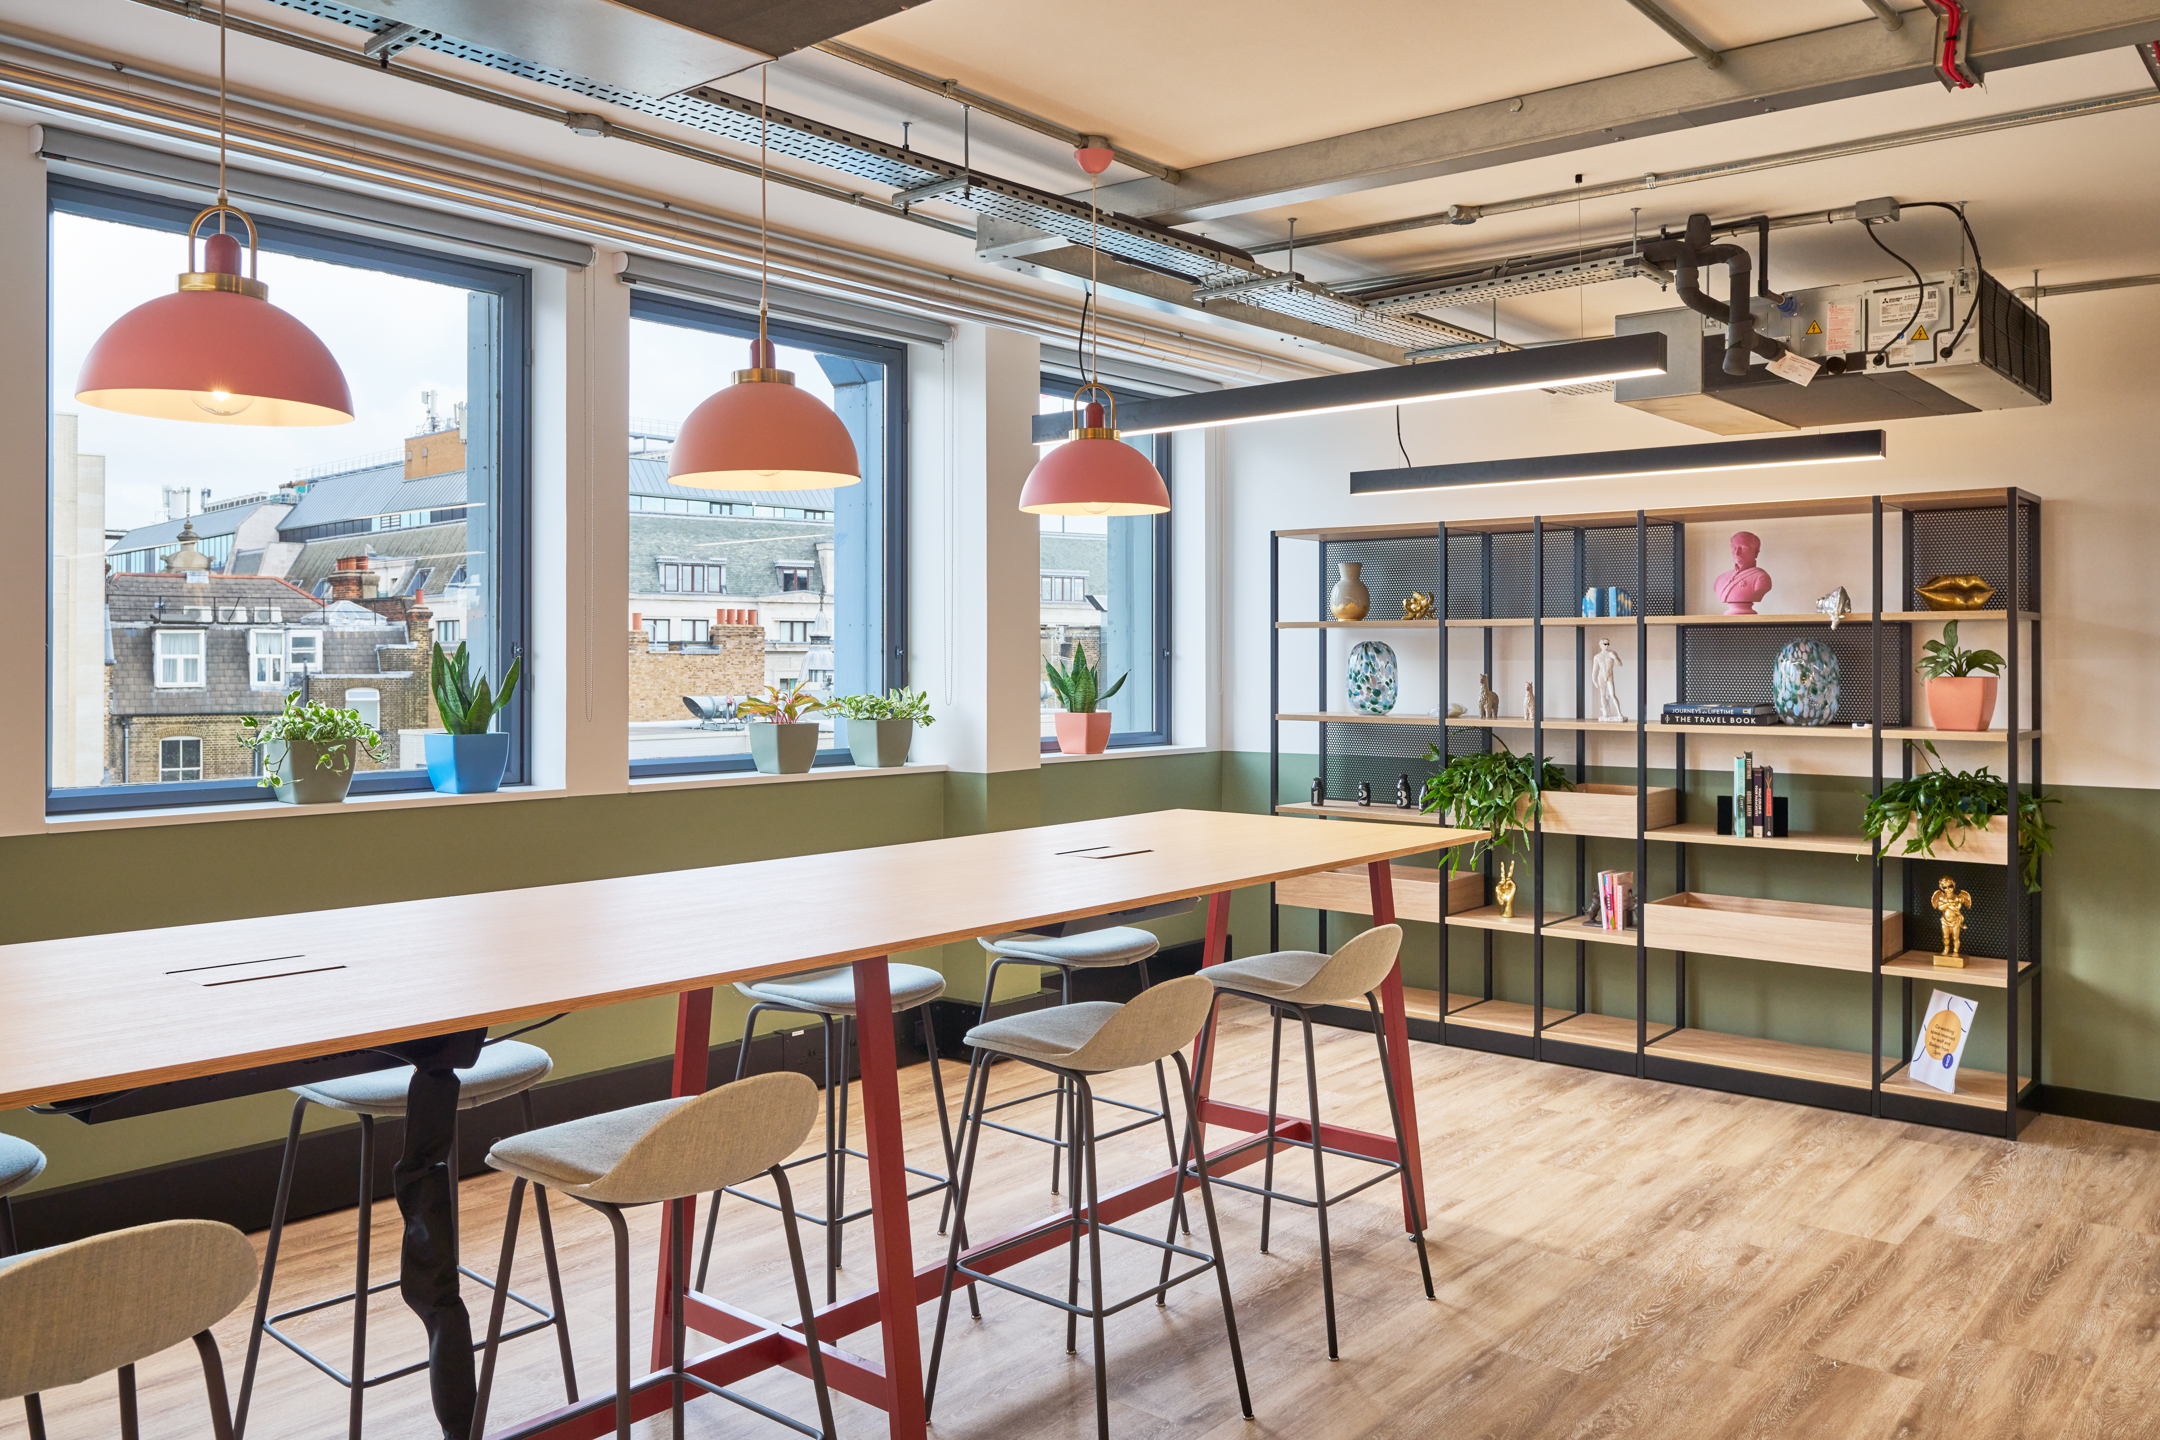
(1744, 584)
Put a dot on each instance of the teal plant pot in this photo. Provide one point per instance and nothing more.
(467, 764)
(782, 749)
(880, 744)
(307, 780)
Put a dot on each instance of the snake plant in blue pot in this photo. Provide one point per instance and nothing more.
(470, 759)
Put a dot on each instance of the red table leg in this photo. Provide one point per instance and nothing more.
(1213, 952)
(693, 1039)
(888, 1201)
(1396, 1022)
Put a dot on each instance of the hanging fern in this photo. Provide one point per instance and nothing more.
(1486, 791)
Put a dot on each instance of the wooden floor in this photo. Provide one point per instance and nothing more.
(1613, 1257)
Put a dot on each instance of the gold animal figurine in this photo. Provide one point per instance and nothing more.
(1504, 890)
(1951, 903)
(1488, 704)
(1955, 592)
(1418, 607)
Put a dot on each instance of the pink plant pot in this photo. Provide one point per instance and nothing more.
(1966, 703)
(1083, 734)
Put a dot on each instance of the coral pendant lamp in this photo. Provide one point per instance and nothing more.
(1094, 473)
(761, 433)
(217, 351)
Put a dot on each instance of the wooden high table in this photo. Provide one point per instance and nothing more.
(420, 980)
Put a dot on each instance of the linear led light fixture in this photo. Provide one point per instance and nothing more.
(1834, 448)
(1577, 362)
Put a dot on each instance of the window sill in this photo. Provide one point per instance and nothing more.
(752, 777)
(1125, 752)
(258, 810)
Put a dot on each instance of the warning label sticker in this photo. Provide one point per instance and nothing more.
(1813, 328)
(1841, 328)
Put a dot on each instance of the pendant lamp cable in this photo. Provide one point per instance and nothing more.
(764, 254)
(1095, 360)
(221, 195)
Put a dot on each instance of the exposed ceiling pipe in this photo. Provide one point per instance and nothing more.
(2087, 287)
(991, 105)
(1835, 150)
(1890, 18)
(1688, 40)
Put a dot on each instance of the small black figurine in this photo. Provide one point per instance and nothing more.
(1402, 791)
(1364, 792)
(1319, 791)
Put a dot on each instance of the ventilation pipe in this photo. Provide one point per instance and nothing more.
(1688, 254)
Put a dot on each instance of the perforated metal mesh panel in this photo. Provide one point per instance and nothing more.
(1465, 576)
(1731, 664)
(1971, 542)
(1609, 559)
(1574, 560)
(1393, 568)
(1379, 753)
(1987, 923)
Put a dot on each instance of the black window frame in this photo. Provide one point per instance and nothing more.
(893, 601)
(1062, 386)
(512, 287)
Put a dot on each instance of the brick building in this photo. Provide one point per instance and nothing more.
(729, 661)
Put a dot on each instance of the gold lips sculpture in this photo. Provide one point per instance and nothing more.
(1956, 592)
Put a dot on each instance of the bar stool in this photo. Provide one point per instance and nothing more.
(1076, 1043)
(1293, 982)
(20, 1163)
(830, 995)
(666, 1152)
(81, 1309)
(1119, 945)
(506, 1067)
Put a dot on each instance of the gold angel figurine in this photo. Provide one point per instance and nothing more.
(1951, 903)
(1418, 606)
(1504, 890)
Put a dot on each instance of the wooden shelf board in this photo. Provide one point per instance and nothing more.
(1606, 1032)
(1351, 810)
(1425, 1004)
(1839, 732)
(1810, 617)
(1517, 722)
(1925, 615)
(1488, 918)
(1979, 1088)
(1507, 1016)
(1496, 622)
(1357, 624)
(1817, 843)
(1979, 970)
(1351, 717)
(1423, 530)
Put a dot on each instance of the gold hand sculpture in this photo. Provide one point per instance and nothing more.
(1504, 890)
(1951, 903)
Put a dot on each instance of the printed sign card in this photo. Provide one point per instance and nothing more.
(1941, 1046)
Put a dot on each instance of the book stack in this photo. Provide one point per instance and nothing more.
(1753, 797)
(1721, 715)
(1616, 899)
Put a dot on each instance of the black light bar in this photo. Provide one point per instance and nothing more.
(1833, 448)
(1578, 362)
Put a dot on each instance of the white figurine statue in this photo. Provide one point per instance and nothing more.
(1529, 700)
(1605, 681)
(1488, 704)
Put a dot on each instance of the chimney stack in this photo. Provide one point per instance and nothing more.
(352, 580)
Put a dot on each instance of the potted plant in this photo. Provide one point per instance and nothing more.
(1496, 791)
(881, 727)
(308, 749)
(782, 742)
(1081, 729)
(1941, 812)
(1960, 683)
(468, 759)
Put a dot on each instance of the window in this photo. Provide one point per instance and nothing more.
(1106, 592)
(449, 634)
(839, 554)
(659, 632)
(400, 320)
(179, 758)
(266, 659)
(369, 704)
(180, 659)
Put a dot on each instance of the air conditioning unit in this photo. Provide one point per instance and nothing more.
(2001, 362)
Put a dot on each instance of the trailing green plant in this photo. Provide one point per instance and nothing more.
(1933, 805)
(313, 723)
(1943, 660)
(1076, 685)
(783, 704)
(1486, 791)
(894, 705)
(465, 704)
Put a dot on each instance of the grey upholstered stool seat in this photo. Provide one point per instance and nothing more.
(665, 1152)
(1118, 945)
(506, 1069)
(20, 1163)
(1077, 1043)
(829, 995)
(832, 992)
(78, 1310)
(503, 1069)
(1293, 982)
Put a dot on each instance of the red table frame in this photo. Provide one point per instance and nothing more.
(894, 1382)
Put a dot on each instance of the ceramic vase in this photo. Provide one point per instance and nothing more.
(1349, 600)
(1962, 702)
(1372, 684)
(1804, 683)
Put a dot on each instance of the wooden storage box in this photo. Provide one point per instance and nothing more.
(1603, 810)
(1417, 892)
(1794, 932)
(1972, 847)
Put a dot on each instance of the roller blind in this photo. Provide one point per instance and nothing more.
(736, 293)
